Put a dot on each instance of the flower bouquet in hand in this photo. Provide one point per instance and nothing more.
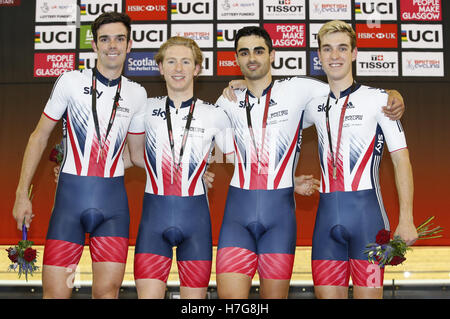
(387, 251)
(23, 256)
(57, 154)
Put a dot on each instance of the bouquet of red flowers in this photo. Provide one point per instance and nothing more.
(23, 256)
(387, 251)
(57, 154)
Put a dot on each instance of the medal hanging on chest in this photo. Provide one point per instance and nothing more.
(185, 135)
(95, 116)
(341, 123)
(264, 124)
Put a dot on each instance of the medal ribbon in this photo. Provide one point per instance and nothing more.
(94, 110)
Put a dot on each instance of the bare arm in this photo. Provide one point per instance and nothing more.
(33, 152)
(405, 188)
(135, 148)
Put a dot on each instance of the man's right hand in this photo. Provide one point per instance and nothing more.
(23, 211)
(228, 92)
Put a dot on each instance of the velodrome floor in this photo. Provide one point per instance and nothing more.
(424, 275)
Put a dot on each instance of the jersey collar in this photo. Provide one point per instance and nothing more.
(104, 80)
(264, 92)
(347, 91)
(183, 104)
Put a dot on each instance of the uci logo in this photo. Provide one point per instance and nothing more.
(97, 9)
(159, 112)
(190, 8)
(381, 8)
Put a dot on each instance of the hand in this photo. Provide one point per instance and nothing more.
(407, 231)
(22, 211)
(228, 92)
(395, 106)
(306, 185)
(56, 172)
(208, 178)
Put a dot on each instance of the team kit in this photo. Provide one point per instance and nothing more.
(110, 123)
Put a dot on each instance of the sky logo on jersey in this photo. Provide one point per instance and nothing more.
(421, 10)
(141, 64)
(159, 112)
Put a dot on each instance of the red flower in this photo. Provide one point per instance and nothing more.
(54, 155)
(383, 237)
(29, 254)
(396, 260)
(12, 254)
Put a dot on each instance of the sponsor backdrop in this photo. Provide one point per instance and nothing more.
(402, 45)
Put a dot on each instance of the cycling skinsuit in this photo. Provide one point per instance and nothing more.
(351, 210)
(91, 197)
(259, 226)
(175, 210)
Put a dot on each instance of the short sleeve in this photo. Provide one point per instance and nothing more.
(59, 98)
(137, 124)
(224, 135)
(392, 130)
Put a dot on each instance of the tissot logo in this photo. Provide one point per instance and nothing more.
(192, 10)
(54, 37)
(289, 63)
(148, 35)
(421, 36)
(279, 9)
(377, 63)
(376, 9)
(383, 35)
(91, 9)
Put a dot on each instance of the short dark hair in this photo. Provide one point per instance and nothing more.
(111, 17)
(253, 30)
